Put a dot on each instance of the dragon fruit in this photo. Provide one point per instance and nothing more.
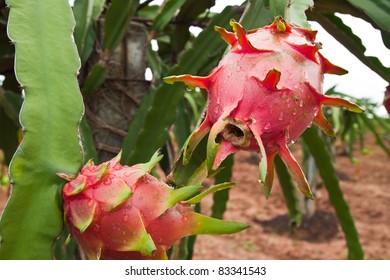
(123, 212)
(386, 99)
(263, 95)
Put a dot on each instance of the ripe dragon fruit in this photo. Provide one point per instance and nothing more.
(123, 212)
(262, 96)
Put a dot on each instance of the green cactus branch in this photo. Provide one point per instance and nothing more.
(46, 67)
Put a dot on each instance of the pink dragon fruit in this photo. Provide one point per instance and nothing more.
(122, 212)
(262, 96)
(386, 100)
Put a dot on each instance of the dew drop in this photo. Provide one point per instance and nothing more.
(267, 126)
(281, 116)
(125, 218)
(90, 203)
(96, 228)
(301, 103)
(124, 232)
(294, 111)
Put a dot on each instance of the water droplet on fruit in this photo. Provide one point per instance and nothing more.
(96, 228)
(107, 181)
(301, 103)
(267, 126)
(281, 116)
(294, 111)
(124, 232)
(117, 166)
(90, 203)
(125, 218)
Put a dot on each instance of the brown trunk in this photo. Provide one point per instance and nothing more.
(111, 108)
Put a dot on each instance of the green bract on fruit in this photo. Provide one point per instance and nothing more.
(263, 95)
(122, 212)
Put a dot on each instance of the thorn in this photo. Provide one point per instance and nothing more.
(212, 146)
(189, 80)
(194, 139)
(76, 186)
(102, 171)
(294, 169)
(323, 123)
(89, 163)
(329, 68)
(308, 51)
(67, 177)
(243, 40)
(309, 34)
(279, 25)
(68, 239)
(228, 37)
(156, 158)
(208, 225)
(266, 165)
(117, 158)
(335, 101)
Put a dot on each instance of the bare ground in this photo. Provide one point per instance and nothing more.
(366, 188)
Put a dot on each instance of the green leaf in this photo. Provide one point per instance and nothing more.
(220, 199)
(378, 10)
(166, 13)
(117, 21)
(148, 132)
(189, 12)
(257, 14)
(195, 172)
(46, 67)
(210, 190)
(208, 225)
(369, 123)
(323, 160)
(95, 78)
(89, 151)
(295, 12)
(86, 13)
(82, 10)
(289, 192)
(335, 26)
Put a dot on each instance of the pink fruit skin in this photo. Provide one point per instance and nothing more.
(111, 232)
(263, 95)
(122, 212)
(386, 100)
